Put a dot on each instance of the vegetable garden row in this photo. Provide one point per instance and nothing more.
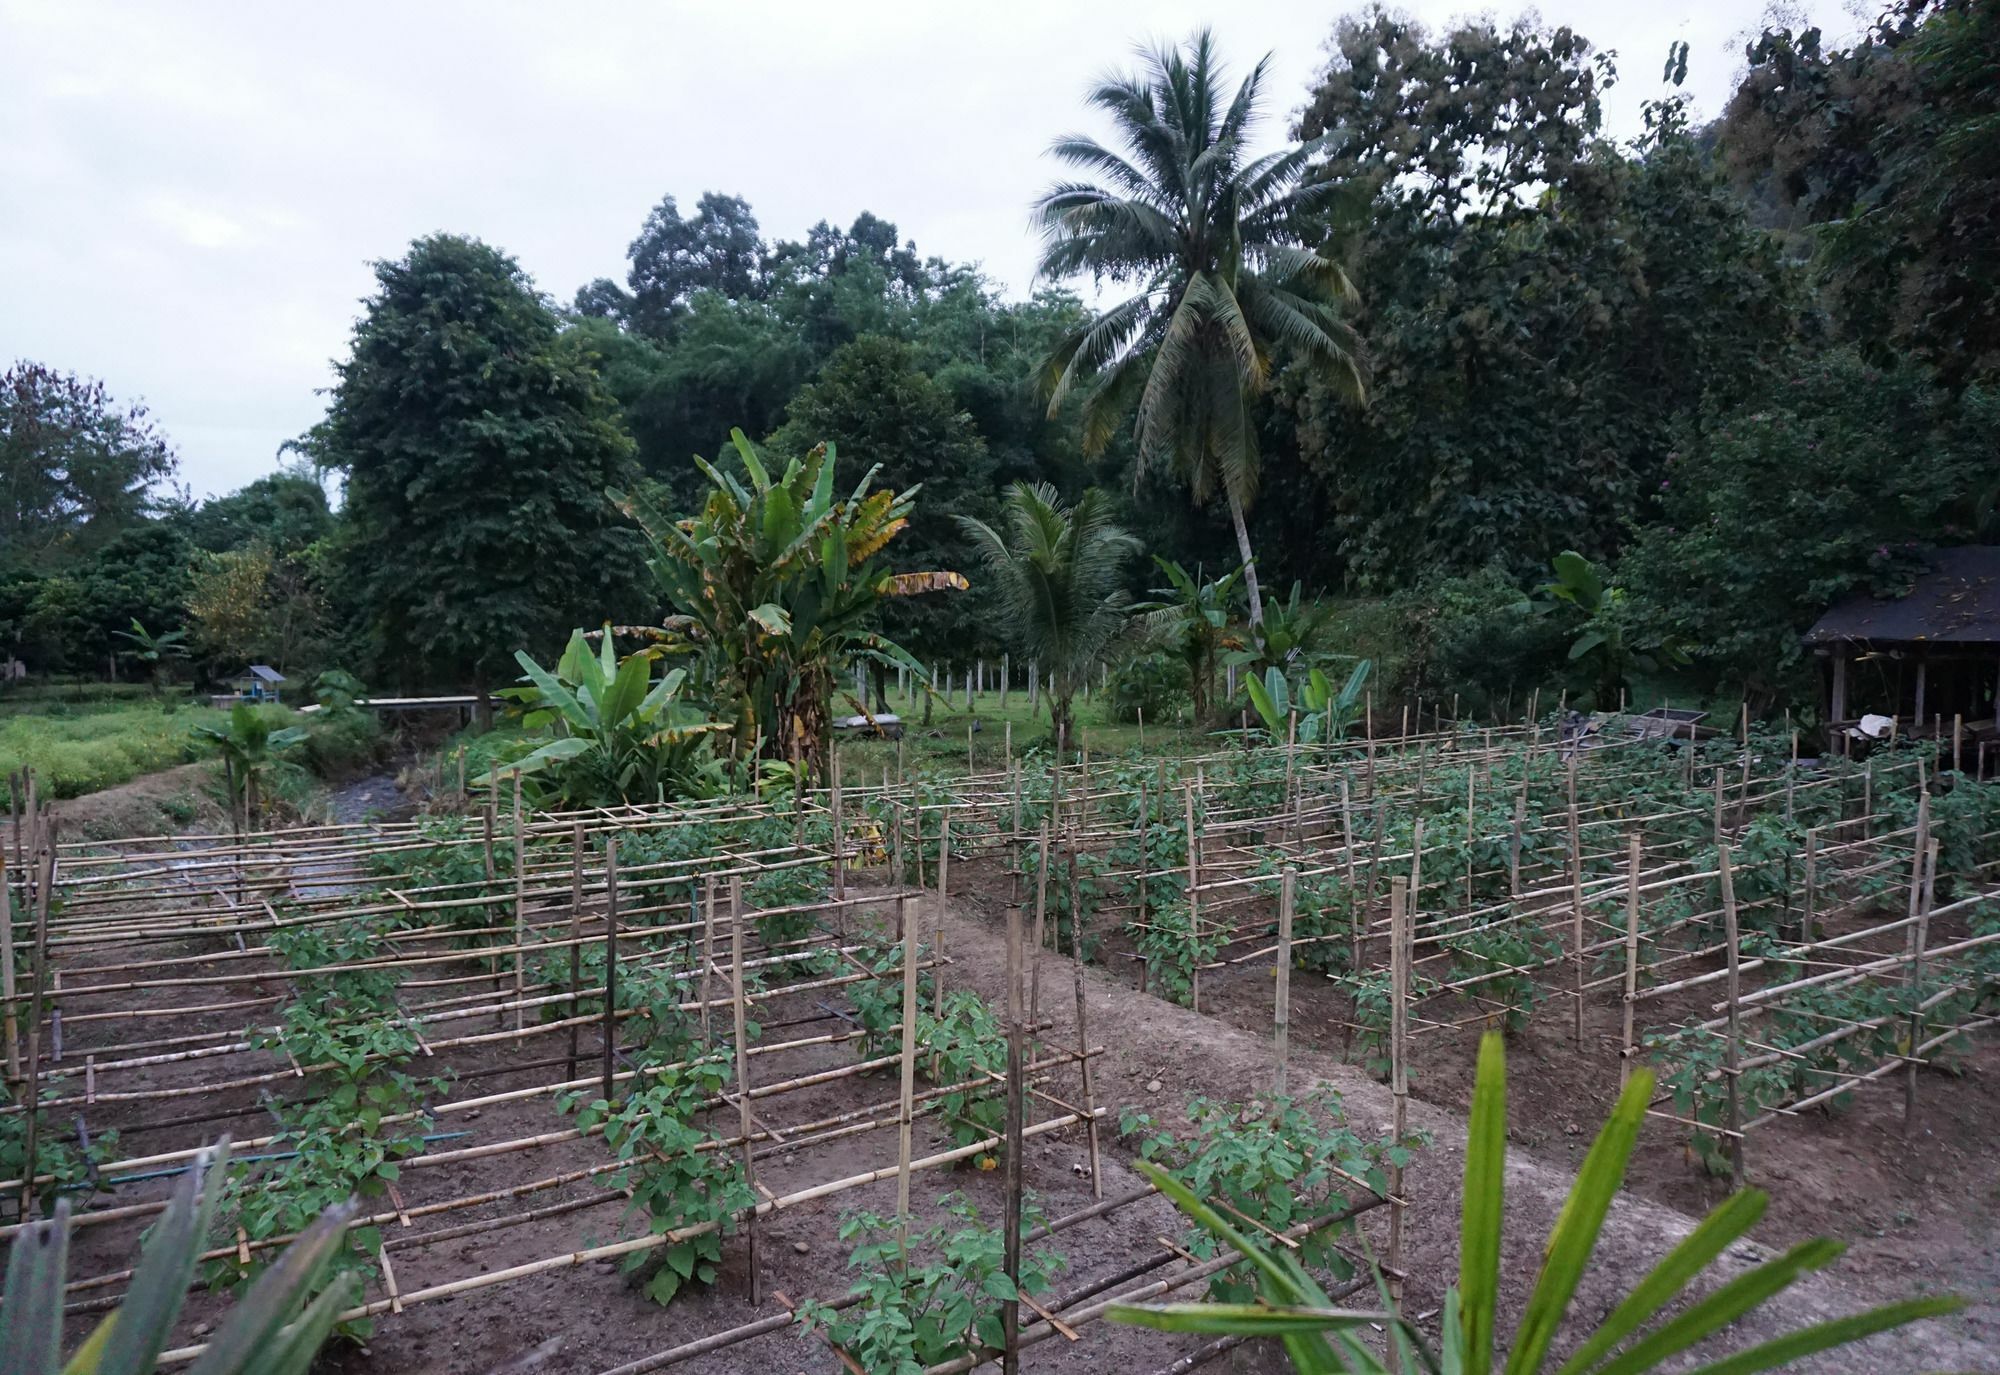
(678, 1021)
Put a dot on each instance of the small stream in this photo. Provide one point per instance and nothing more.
(374, 798)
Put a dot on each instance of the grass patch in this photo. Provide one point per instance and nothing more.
(74, 754)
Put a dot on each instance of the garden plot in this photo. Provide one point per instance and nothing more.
(678, 1042)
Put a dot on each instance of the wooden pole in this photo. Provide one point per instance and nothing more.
(520, 916)
(1632, 849)
(1083, 1026)
(1194, 904)
(839, 831)
(1281, 1009)
(1919, 938)
(745, 1126)
(1010, 1310)
(1733, 1040)
(707, 961)
(7, 989)
(1041, 930)
(1576, 905)
(610, 963)
(1399, 1069)
(575, 940)
(905, 1115)
(1811, 901)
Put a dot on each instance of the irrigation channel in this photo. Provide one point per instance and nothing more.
(647, 1035)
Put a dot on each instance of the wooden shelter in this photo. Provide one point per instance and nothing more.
(1930, 659)
(257, 683)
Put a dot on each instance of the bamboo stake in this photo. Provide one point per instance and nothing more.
(1576, 905)
(1399, 1069)
(576, 941)
(1194, 903)
(1281, 1010)
(1811, 900)
(520, 913)
(610, 963)
(744, 1125)
(1731, 1046)
(1919, 937)
(1010, 1310)
(1083, 1025)
(1041, 929)
(1633, 846)
(909, 1070)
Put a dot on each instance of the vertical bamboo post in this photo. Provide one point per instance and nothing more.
(11, 1018)
(1281, 1006)
(1400, 946)
(1919, 938)
(610, 962)
(937, 925)
(707, 960)
(575, 941)
(1632, 848)
(1041, 929)
(1868, 800)
(1576, 906)
(1811, 901)
(1194, 904)
(1010, 1312)
(839, 829)
(744, 1124)
(1732, 1044)
(1514, 843)
(520, 918)
(31, 1095)
(904, 1115)
(1083, 1024)
(1957, 742)
(1014, 835)
(1470, 774)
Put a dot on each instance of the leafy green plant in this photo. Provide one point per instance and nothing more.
(1323, 713)
(1292, 1307)
(276, 1329)
(673, 1172)
(248, 745)
(1189, 619)
(1277, 1164)
(157, 652)
(620, 736)
(932, 1300)
(773, 584)
(64, 1165)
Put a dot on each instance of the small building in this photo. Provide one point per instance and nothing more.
(257, 683)
(1929, 660)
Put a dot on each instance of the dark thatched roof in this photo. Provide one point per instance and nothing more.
(1955, 602)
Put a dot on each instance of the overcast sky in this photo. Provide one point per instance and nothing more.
(191, 194)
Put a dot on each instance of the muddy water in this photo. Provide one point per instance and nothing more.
(374, 798)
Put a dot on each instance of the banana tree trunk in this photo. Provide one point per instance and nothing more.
(1249, 563)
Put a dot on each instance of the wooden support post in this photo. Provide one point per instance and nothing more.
(1919, 938)
(1576, 907)
(31, 1091)
(1400, 947)
(1514, 843)
(1811, 900)
(839, 828)
(1083, 1025)
(1632, 849)
(1194, 904)
(1281, 1007)
(7, 990)
(1917, 717)
(1733, 1042)
(905, 1117)
(1957, 742)
(610, 963)
(707, 961)
(1041, 930)
(746, 1127)
(520, 917)
(575, 941)
(1010, 1311)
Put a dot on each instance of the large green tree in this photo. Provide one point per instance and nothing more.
(1542, 306)
(76, 467)
(478, 447)
(1887, 152)
(1223, 248)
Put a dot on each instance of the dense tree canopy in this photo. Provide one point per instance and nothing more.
(478, 447)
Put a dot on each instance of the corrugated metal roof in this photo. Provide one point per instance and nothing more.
(266, 672)
(1955, 602)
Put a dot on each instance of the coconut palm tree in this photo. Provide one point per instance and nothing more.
(1055, 581)
(1223, 249)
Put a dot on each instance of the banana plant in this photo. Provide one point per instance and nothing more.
(773, 585)
(1323, 713)
(272, 1330)
(1190, 619)
(620, 734)
(248, 745)
(1291, 630)
(1603, 649)
(157, 652)
(1320, 1337)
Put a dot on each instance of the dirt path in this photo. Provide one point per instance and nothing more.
(1150, 1041)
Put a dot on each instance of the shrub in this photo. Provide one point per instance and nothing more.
(1478, 638)
(1156, 684)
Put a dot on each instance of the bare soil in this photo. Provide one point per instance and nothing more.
(1920, 1213)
